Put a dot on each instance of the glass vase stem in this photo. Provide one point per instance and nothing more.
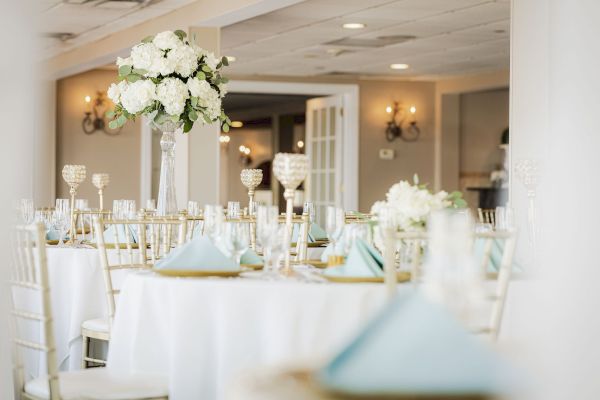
(167, 200)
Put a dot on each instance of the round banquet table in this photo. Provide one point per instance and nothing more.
(201, 333)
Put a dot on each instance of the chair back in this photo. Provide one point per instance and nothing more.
(135, 245)
(487, 216)
(409, 248)
(29, 279)
(84, 223)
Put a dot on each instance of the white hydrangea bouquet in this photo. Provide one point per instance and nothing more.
(171, 81)
(409, 205)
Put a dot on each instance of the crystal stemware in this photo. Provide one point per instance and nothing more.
(251, 178)
(74, 175)
(233, 210)
(61, 219)
(334, 225)
(213, 221)
(193, 208)
(27, 210)
(290, 170)
(236, 239)
(101, 181)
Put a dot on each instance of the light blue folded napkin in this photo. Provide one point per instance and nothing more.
(53, 234)
(362, 261)
(111, 237)
(495, 255)
(250, 257)
(339, 250)
(197, 254)
(315, 233)
(418, 348)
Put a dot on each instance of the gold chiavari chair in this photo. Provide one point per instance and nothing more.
(156, 237)
(413, 244)
(487, 216)
(29, 278)
(84, 223)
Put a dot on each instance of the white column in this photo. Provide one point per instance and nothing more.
(555, 105)
(203, 147)
(44, 145)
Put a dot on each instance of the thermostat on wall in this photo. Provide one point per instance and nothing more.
(386, 154)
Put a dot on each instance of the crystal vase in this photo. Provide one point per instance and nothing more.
(167, 199)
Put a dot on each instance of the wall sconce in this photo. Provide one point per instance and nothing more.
(96, 122)
(394, 127)
(224, 140)
(245, 158)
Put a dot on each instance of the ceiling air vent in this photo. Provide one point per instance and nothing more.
(380, 41)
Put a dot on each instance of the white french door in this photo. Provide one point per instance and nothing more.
(324, 135)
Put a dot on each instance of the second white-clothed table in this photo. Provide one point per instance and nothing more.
(203, 332)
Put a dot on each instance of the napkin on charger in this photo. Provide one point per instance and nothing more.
(200, 253)
(315, 233)
(110, 234)
(416, 347)
(362, 261)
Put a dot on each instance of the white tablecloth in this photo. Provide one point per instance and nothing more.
(203, 332)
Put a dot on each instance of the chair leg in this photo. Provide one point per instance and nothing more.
(84, 347)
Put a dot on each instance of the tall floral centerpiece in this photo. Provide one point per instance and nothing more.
(175, 84)
(408, 206)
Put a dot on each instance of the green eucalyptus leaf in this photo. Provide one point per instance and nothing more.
(174, 118)
(140, 71)
(206, 68)
(187, 126)
(193, 115)
(224, 80)
(201, 75)
(194, 101)
(180, 34)
(110, 114)
(460, 203)
(124, 70)
(206, 119)
(113, 124)
(121, 120)
(148, 39)
(225, 128)
(225, 61)
(133, 78)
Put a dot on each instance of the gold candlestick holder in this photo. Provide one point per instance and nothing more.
(289, 169)
(251, 178)
(74, 175)
(101, 181)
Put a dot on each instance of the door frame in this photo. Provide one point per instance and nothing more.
(350, 93)
(350, 96)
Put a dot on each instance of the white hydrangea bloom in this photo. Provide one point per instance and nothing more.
(148, 57)
(172, 93)
(124, 61)
(166, 40)
(222, 89)
(185, 60)
(211, 60)
(115, 90)
(207, 97)
(198, 88)
(138, 95)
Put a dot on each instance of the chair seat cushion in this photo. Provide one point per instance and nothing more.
(98, 325)
(102, 384)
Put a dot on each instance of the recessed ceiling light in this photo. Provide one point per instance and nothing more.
(230, 58)
(399, 66)
(237, 124)
(353, 25)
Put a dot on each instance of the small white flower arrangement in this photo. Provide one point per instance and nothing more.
(409, 205)
(170, 80)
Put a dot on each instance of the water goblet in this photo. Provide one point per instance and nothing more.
(236, 236)
(27, 210)
(233, 210)
(251, 178)
(334, 225)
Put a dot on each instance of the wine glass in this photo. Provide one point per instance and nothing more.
(233, 210)
(334, 225)
(352, 233)
(45, 217)
(61, 219)
(193, 208)
(213, 220)
(27, 210)
(236, 237)
(309, 209)
(150, 205)
(81, 204)
(267, 221)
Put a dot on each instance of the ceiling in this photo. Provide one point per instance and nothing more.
(450, 37)
(441, 37)
(90, 20)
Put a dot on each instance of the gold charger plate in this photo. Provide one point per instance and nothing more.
(317, 263)
(401, 276)
(121, 246)
(52, 242)
(252, 266)
(197, 273)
